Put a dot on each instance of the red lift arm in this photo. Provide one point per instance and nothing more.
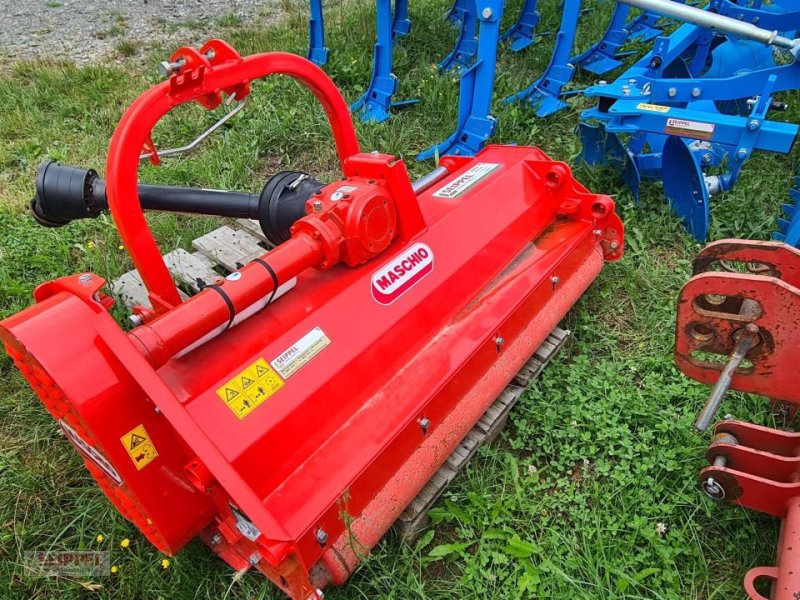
(290, 435)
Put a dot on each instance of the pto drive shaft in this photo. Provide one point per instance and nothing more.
(65, 193)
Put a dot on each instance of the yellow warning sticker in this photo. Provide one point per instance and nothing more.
(139, 447)
(250, 388)
(652, 107)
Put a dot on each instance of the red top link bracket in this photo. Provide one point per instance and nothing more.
(204, 76)
(739, 284)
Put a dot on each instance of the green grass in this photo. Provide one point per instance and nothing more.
(599, 451)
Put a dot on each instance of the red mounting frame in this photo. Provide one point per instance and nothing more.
(204, 80)
(716, 303)
(737, 283)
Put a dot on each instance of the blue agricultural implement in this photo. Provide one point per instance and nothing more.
(694, 109)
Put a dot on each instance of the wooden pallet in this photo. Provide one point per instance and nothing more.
(414, 519)
(216, 254)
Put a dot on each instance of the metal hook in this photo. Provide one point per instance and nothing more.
(193, 144)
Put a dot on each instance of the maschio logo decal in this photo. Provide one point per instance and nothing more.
(406, 270)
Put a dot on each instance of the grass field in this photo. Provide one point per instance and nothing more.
(599, 452)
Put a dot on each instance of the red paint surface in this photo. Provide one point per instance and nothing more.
(339, 444)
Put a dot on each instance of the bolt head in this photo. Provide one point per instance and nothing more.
(707, 157)
(322, 537)
(499, 340)
(695, 92)
(164, 69)
(424, 423)
(254, 559)
(752, 125)
(741, 154)
(672, 92)
(317, 205)
(614, 245)
(216, 539)
(555, 280)
(487, 13)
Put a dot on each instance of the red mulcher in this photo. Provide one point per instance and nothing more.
(290, 430)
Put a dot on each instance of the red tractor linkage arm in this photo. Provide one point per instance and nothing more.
(738, 327)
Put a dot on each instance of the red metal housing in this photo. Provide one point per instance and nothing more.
(290, 437)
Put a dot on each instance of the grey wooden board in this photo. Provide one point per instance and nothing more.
(131, 291)
(229, 247)
(253, 227)
(414, 518)
(189, 267)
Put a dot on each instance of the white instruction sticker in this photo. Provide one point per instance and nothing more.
(692, 129)
(466, 180)
(298, 354)
(90, 452)
(244, 525)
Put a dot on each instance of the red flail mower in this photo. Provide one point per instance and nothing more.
(738, 327)
(287, 413)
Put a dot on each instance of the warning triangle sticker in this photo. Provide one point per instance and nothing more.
(246, 382)
(136, 440)
(230, 394)
(261, 371)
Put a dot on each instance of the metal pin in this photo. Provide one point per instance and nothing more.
(746, 339)
(713, 489)
(167, 69)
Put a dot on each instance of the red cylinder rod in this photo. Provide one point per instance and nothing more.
(213, 309)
